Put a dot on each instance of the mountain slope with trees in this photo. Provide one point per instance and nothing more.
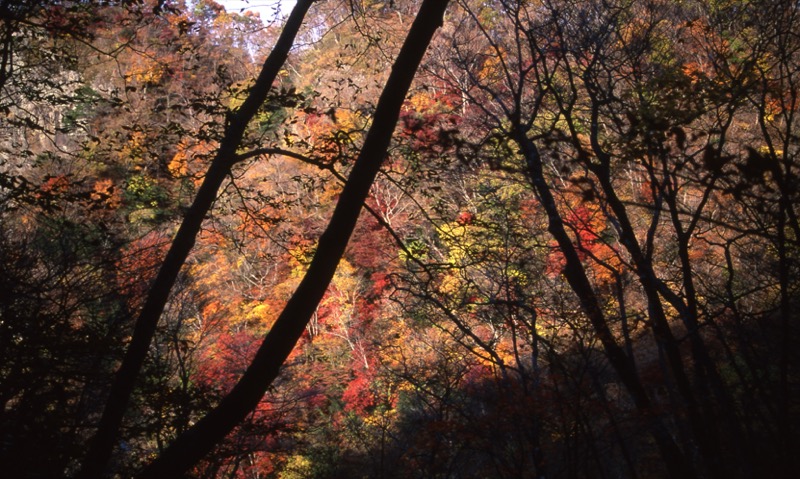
(461, 239)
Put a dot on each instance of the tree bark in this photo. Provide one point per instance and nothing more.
(191, 446)
(102, 443)
(677, 464)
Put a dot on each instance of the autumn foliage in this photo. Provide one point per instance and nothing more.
(579, 257)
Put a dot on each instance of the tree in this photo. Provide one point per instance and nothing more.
(595, 99)
(122, 387)
(577, 255)
(283, 335)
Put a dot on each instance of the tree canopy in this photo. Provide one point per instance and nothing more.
(400, 239)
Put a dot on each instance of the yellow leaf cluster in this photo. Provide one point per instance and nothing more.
(146, 71)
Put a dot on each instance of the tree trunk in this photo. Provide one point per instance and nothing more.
(191, 446)
(675, 460)
(102, 444)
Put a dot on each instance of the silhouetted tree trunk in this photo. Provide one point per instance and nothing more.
(102, 444)
(191, 446)
(675, 460)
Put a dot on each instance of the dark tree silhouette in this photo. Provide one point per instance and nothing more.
(102, 443)
(191, 446)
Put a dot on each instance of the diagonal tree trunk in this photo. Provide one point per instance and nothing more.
(191, 446)
(102, 444)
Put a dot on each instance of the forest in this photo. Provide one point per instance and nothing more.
(431, 239)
